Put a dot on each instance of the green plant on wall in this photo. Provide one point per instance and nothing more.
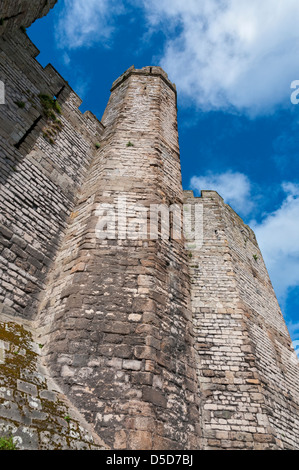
(51, 108)
(7, 443)
(20, 104)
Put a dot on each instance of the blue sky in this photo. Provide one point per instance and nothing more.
(233, 62)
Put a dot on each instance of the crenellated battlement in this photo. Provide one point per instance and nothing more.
(146, 71)
(211, 194)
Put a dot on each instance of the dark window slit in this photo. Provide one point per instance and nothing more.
(60, 91)
(7, 18)
(18, 144)
(44, 6)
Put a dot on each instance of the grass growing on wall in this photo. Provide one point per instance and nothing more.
(7, 443)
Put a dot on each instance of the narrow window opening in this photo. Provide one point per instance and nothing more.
(59, 93)
(31, 128)
(7, 18)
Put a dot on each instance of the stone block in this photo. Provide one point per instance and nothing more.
(155, 397)
(27, 388)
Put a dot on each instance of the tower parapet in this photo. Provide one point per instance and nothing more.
(146, 71)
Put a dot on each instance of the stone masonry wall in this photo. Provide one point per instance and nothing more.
(124, 341)
(43, 162)
(33, 411)
(22, 13)
(276, 361)
(247, 370)
(44, 155)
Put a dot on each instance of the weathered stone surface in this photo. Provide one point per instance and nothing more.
(21, 13)
(131, 295)
(157, 344)
(245, 363)
(36, 414)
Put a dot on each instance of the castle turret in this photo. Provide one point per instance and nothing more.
(121, 336)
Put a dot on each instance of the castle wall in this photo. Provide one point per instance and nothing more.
(43, 163)
(247, 369)
(125, 341)
(276, 360)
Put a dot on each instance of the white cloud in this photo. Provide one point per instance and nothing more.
(85, 23)
(235, 55)
(278, 238)
(234, 187)
(230, 54)
(66, 59)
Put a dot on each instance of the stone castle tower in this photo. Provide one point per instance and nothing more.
(134, 340)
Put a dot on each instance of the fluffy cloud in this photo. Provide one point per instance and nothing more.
(84, 23)
(230, 54)
(234, 187)
(278, 238)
